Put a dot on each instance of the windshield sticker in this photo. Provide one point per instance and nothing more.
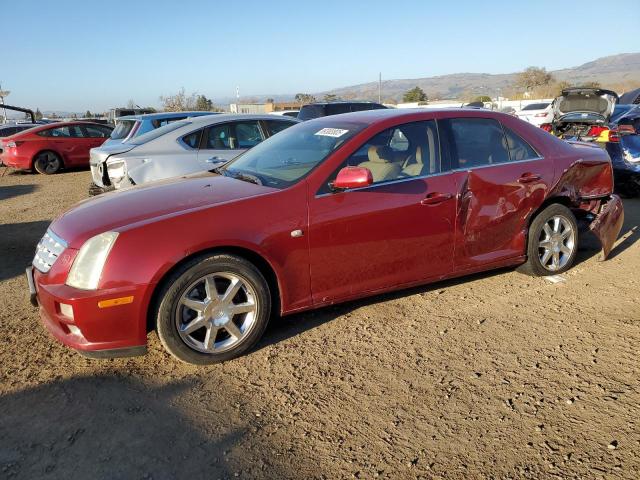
(332, 132)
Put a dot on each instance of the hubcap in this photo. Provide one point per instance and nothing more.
(556, 243)
(216, 312)
(49, 162)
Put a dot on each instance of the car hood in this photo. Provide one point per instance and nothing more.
(100, 154)
(125, 208)
(575, 104)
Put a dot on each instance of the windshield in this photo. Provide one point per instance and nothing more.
(158, 132)
(285, 158)
(123, 129)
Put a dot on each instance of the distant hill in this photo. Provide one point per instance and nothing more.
(614, 69)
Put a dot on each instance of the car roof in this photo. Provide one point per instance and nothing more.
(48, 126)
(343, 102)
(227, 117)
(378, 116)
(13, 125)
(153, 116)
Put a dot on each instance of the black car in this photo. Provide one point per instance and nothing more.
(13, 128)
(324, 109)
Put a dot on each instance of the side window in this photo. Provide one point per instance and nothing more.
(399, 142)
(219, 137)
(402, 152)
(248, 134)
(93, 132)
(477, 141)
(193, 139)
(161, 122)
(276, 126)
(68, 131)
(519, 149)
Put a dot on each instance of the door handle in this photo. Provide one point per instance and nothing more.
(529, 177)
(435, 197)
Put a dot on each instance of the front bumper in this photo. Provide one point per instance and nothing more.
(114, 331)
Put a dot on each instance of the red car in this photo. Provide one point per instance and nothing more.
(48, 148)
(326, 211)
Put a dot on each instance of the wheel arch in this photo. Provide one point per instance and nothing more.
(261, 263)
(561, 199)
(43, 150)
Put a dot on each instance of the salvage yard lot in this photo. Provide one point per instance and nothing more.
(499, 375)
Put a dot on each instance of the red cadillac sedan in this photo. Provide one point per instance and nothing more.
(49, 148)
(326, 211)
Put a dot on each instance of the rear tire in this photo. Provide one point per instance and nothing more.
(212, 309)
(47, 163)
(552, 242)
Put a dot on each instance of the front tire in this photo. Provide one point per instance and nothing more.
(47, 163)
(212, 309)
(552, 243)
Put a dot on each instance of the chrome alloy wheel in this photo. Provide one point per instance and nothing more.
(557, 243)
(216, 312)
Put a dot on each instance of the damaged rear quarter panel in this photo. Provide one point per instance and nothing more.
(585, 173)
(586, 180)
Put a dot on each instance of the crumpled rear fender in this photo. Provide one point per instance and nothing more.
(608, 223)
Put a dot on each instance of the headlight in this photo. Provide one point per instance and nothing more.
(116, 171)
(88, 264)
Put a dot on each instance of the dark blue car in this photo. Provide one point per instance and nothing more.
(624, 150)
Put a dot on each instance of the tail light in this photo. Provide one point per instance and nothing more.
(626, 130)
(543, 114)
(546, 127)
(597, 131)
(13, 144)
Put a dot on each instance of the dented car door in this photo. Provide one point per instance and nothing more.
(501, 181)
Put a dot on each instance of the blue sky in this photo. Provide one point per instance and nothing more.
(78, 55)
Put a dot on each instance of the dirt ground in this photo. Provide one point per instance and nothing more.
(498, 375)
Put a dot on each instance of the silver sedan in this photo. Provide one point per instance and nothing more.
(180, 148)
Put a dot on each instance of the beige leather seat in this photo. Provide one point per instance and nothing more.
(422, 162)
(413, 166)
(381, 164)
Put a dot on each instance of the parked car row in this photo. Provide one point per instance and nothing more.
(314, 213)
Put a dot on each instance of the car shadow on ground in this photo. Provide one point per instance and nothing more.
(18, 245)
(10, 191)
(108, 426)
(285, 327)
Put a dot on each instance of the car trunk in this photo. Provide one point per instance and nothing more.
(583, 113)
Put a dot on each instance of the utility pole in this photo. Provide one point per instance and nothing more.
(3, 93)
(380, 87)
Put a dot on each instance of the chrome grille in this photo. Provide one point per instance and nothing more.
(48, 251)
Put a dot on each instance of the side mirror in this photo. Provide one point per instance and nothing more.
(352, 177)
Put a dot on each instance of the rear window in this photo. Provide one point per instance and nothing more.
(307, 112)
(536, 106)
(158, 132)
(123, 129)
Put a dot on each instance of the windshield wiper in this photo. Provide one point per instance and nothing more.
(247, 178)
(219, 171)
